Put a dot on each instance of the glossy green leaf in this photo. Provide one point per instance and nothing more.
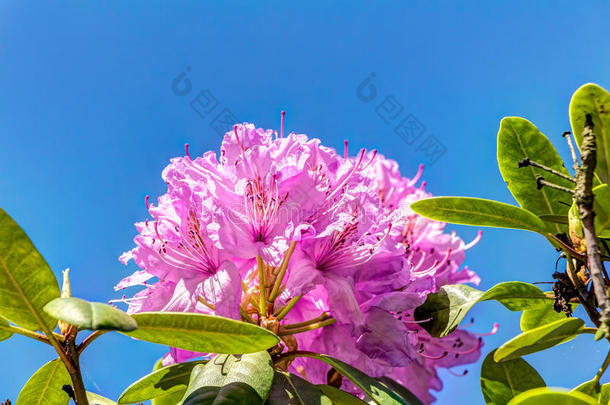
(602, 210)
(594, 390)
(501, 382)
(379, 392)
(544, 396)
(533, 318)
(174, 397)
(543, 337)
(95, 399)
(229, 379)
(162, 383)
(594, 100)
(5, 332)
(26, 281)
(604, 397)
(288, 389)
(45, 386)
(445, 309)
(478, 212)
(339, 397)
(517, 139)
(554, 219)
(201, 333)
(401, 390)
(90, 315)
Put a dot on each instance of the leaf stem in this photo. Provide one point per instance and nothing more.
(528, 162)
(261, 285)
(541, 182)
(26, 332)
(286, 308)
(88, 340)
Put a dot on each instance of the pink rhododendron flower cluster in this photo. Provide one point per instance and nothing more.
(345, 260)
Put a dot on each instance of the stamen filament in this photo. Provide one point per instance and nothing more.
(207, 304)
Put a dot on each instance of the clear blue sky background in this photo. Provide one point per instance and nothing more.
(88, 120)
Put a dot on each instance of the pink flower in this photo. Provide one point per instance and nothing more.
(345, 259)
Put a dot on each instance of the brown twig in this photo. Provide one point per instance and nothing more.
(583, 196)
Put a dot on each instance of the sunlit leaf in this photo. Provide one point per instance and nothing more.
(443, 311)
(26, 281)
(95, 399)
(602, 210)
(594, 100)
(543, 337)
(518, 139)
(544, 396)
(227, 379)
(90, 315)
(400, 390)
(554, 219)
(501, 382)
(478, 212)
(590, 388)
(5, 331)
(163, 383)
(201, 333)
(533, 318)
(45, 386)
(288, 389)
(339, 397)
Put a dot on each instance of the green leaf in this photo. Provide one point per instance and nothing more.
(201, 333)
(533, 318)
(594, 100)
(90, 315)
(379, 392)
(478, 212)
(517, 139)
(288, 389)
(95, 399)
(501, 382)
(401, 390)
(543, 337)
(544, 396)
(604, 397)
(45, 386)
(594, 390)
(26, 280)
(600, 393)
(229, 379)
(339, 397)
(446, 308)
(5, 331)
(164, 382)
(554, 219)
(602, 210)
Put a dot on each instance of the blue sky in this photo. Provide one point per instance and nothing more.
(88, 119)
